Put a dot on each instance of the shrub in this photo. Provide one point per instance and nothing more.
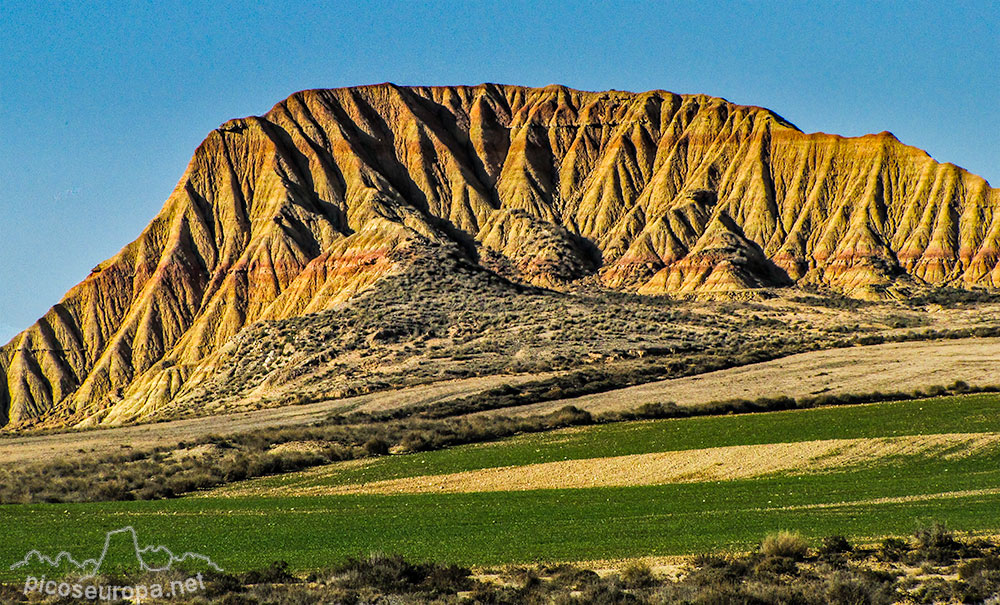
(937, 391)
(776, 565)
(935, 590)
(657, 410)
(936, 544)
(447, 578)
(572, 577)
(970, 569)
(959, 386)
(835, 545)
(844, 588)
(935, 535)
(386, 572)
(415, 441)
(376, 447)
(785, 544)
(713, 570)
(605, 593)
(392, 573)
(276, 572)
(981, 579)
(637, 575)
(892, 549)
(570, 416)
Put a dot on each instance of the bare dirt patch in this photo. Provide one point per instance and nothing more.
(298, 447)
(710, 464)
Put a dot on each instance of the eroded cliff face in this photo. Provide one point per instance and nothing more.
(296, 211)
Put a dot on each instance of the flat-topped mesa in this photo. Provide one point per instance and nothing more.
(296, 211)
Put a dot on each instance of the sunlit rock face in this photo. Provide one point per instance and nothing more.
(296, 211)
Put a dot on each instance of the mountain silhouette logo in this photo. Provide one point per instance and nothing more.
(90, 567)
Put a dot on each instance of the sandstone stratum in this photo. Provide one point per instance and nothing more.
(299, 210)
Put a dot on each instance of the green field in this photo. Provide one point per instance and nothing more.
(962, 414)
(568, 524)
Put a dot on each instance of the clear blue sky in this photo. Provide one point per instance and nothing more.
(101, 108)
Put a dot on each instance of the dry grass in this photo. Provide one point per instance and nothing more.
(40, 447)
(887, 367)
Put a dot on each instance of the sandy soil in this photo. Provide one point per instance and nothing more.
(887, 367)
(709, 464)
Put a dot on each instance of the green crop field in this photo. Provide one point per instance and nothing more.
(894, 495)
(963, 414)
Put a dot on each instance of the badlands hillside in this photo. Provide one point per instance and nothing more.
(504, 190)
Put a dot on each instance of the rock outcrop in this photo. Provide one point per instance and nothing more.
(296, 211)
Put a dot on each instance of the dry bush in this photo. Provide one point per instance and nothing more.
(638, 575)
(785, 544)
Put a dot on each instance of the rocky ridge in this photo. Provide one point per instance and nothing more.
(296, 211)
